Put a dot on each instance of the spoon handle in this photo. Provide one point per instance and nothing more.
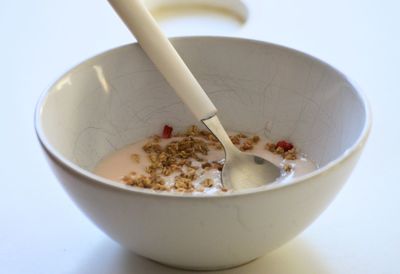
(159, 49)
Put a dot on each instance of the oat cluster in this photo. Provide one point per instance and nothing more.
(176, 158)
(244, 142)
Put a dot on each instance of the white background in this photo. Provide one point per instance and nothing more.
(42, 231)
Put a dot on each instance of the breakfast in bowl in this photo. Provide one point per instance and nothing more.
(119, 98)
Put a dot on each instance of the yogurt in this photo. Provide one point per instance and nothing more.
(188, 171)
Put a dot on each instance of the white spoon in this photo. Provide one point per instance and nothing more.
(241, 170)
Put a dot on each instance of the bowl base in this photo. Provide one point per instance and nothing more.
(202, 268)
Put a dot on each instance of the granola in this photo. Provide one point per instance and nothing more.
(191, 161)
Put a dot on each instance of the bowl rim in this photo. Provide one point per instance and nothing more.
(72, 167)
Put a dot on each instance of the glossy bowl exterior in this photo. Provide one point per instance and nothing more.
(201, 232)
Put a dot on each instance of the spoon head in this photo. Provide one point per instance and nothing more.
(241, 170)
(248, 171)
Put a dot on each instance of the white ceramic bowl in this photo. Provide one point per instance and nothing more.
(118, 97)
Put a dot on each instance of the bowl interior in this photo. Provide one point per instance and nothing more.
(119, 97)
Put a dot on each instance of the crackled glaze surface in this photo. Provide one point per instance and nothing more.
(122, 98)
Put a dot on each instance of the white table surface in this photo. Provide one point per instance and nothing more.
(42, 231)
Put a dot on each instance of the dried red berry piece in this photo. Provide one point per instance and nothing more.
(167, 132)
(285, 145)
